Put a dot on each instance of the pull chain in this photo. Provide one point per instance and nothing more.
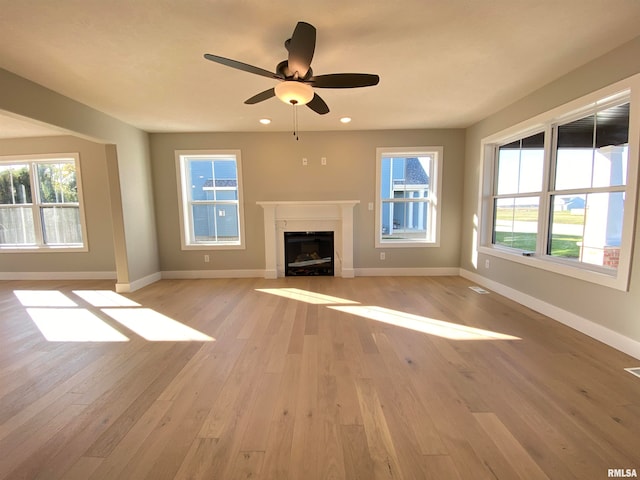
(295, 119)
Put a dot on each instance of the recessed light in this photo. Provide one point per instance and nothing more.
(345, 119)
(265, 121)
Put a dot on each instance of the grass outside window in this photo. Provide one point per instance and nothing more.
(561, 245)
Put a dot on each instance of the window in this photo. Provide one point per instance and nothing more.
(408, 186)
(558, 196)
(40, 206)
(587, 193)
(211, 199)
(517, 192)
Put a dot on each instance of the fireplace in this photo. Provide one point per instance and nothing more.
(308, 253)
(281, 217)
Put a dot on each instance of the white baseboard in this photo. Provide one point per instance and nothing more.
(57, 275)
(407, 272)
(192, 274)
(356, 272)
(138, 284)
(347, 273)
(581, 324)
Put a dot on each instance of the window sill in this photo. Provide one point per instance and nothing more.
(617, 280)
(41, 249)
(214, 246)
(400, 244)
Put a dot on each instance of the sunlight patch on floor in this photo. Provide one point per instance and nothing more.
(422, 324)
(73, 325)
(418, 323)
(105, 298)
(60, 319)
(43, 298)
(305, 296)
(155, 326)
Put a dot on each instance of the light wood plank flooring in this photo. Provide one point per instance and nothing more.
(304, 378)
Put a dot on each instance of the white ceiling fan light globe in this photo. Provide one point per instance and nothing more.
(294, 93)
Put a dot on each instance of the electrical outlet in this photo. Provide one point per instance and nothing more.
(370, 206)
(305, 162)
(382, 256)
(206, 259)
(323, 161)
(486, 263)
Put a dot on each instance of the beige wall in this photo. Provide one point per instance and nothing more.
(273, 170)
(129, 169)
(93, 168)
(615, 310)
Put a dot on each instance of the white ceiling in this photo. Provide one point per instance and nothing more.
(442, 63)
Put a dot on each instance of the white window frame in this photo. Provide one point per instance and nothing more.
(40, 246)
(628, 89)
(432, 236)
(184, 198)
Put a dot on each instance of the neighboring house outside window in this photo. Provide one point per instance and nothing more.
(557, 196)
(408, 187)
(41, 203)
(210, 194)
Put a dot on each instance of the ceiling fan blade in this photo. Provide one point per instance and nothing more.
(301, 47)
(317, 105)
(261, 97)
(344, 80)
(242, 66)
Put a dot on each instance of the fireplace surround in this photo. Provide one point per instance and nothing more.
(308, 216)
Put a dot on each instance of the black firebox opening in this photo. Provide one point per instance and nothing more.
(308, 253)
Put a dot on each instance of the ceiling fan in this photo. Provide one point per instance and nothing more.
(296, 76)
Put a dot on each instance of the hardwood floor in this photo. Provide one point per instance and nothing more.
(304, 378)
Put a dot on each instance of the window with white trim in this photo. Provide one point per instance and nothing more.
(560, 195)
(41, 203)
(210, 194)
(407, 191)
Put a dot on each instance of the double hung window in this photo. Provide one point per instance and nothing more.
(517, 192)
(40, 203)
(408, 186)
(587, 192)
(211, 199)
(561, 195)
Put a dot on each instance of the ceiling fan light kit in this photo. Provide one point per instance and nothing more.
(294, 93)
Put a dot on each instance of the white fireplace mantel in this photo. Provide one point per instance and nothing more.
(306, 216)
